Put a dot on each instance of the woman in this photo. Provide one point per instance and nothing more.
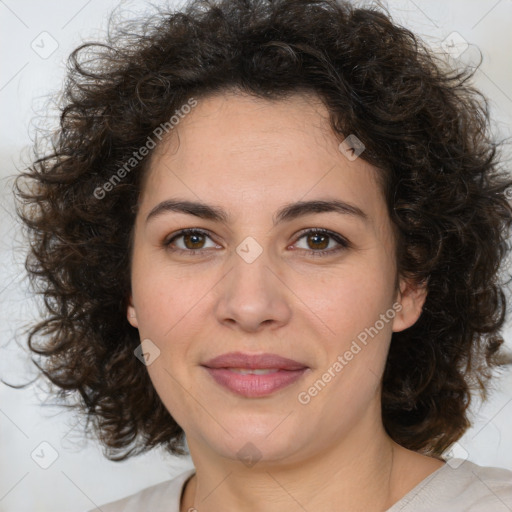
(275, 230)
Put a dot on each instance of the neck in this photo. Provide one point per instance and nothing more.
(358, 473)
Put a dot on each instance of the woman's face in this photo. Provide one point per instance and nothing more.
(253, 281)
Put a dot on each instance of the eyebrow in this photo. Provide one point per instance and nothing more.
(287, 213)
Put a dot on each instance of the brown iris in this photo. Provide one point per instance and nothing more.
(194, 236)
(318, 236)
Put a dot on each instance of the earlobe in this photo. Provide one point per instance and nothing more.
(131, 314)
(411, 298)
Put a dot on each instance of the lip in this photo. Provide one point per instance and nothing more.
(253, 361)
(254, 386)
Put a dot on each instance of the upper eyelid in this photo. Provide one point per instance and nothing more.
(185, 231)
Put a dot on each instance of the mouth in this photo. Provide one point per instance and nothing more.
(255, 371)
(254, 376)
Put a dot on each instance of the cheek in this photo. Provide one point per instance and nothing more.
(346, 303)
(166, 297)
(357, 339)
(350, 380)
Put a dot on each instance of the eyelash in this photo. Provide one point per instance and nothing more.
(343, 243)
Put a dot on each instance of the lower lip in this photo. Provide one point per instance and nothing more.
(255, 386)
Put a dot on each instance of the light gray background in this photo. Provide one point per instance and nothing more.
(80, 477)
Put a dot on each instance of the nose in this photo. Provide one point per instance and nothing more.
(253, 296)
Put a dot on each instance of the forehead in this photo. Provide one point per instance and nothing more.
(256, 154)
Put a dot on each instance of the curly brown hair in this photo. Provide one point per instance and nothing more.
(424, 126)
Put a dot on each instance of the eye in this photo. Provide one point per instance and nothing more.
(192, 241)
(318, 241)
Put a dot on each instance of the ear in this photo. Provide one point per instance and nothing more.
(411, 298)
(131, 314)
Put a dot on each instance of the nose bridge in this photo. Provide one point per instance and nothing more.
(251, 274)
(251, 292)
(251, 267)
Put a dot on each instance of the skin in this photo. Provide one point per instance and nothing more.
(251, 157)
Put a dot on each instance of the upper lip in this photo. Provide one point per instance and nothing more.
(253, 361)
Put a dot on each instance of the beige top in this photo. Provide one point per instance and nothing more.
(458, 486)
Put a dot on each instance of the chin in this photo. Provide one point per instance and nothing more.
(260, 443)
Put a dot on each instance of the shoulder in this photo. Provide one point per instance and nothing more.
(162, 497)
(460, 486)
(491, 486)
